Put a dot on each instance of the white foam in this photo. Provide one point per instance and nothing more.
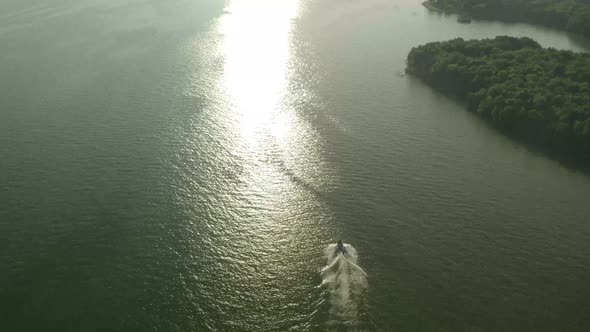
(346, 284)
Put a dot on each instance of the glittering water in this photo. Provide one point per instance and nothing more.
(183, 166)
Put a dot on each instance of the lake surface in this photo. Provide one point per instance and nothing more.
(185, 165)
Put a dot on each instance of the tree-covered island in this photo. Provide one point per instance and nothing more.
(538, 95)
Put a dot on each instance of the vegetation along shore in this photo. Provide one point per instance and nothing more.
(568, 15)
(538, 95)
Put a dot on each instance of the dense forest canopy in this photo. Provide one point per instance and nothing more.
(539, 95)
(570, 15)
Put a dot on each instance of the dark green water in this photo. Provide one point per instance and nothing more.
(182, 166)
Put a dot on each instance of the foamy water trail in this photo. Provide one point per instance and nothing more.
(346, 284)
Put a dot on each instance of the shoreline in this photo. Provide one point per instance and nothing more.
(429, 5)
(540, 130)
(573, 19)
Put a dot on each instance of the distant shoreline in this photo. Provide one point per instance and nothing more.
(428, 4)
(571, 16)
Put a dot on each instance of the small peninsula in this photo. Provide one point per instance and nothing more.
(568, 15)
(537, 95)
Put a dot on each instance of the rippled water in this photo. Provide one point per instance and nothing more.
(184, 166)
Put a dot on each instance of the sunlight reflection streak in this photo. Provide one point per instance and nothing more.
(256, 53)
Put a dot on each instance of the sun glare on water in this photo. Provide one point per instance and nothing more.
(256, 54)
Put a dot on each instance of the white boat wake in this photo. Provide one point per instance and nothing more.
(346, 284)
